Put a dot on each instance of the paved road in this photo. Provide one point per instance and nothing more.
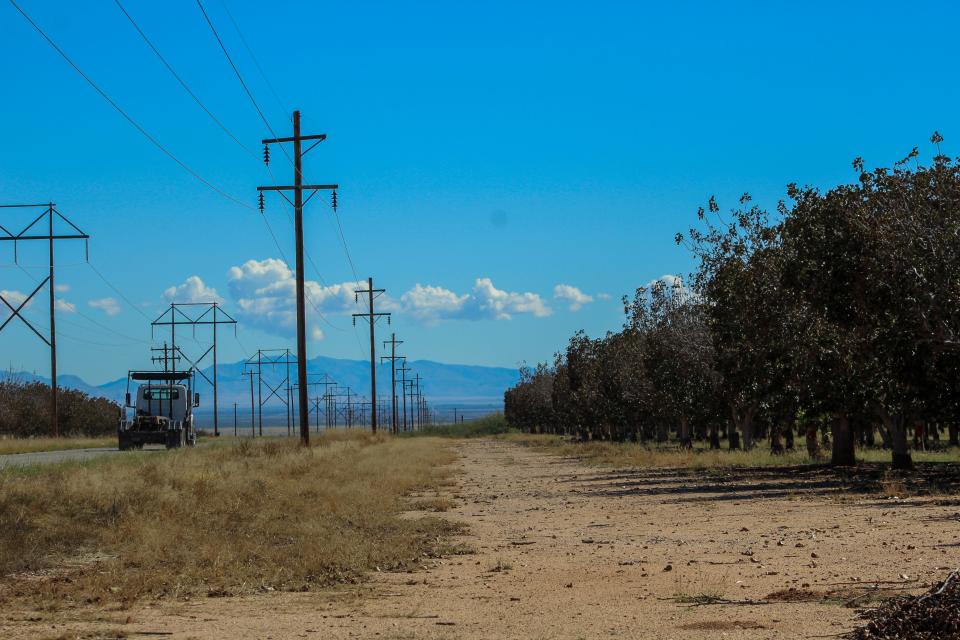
(67, 455)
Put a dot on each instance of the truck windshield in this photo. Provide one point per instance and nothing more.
(161, 394)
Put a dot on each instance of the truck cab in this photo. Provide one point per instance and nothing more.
(162, 410)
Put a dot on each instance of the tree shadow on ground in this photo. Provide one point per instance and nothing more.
(701, 485)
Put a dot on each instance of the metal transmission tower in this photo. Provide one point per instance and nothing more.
(371, 317)
(393, 357)
(316, 384)
(298, 202)
(273, 358)
(327, 383)
(176, 316)
(30, 233)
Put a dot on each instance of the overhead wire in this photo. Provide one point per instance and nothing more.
(89, 319)
(266, 122)
(103, 94)
(182, 82)
(266, 79)
(118, 292)
(236, 71)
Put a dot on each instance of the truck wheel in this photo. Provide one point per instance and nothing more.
(174, 439)
(124, 444)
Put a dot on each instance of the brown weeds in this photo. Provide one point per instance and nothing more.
(222, 520)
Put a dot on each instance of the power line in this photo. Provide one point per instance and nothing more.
(239, 76)
(126, 116)
(118, 292)
(263, 75)
(263, 117)
(256, 106)
(183, 82)
(91, 320)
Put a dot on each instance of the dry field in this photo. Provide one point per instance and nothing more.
(563, 550)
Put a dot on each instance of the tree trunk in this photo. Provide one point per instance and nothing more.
(843, 442)
(686, 442)
(897, 427)
(661, 433)
(776, 445)
(954, 435)
(714, 437)
(813, 445)
(788, 436)
(734, 438)
(747, 430)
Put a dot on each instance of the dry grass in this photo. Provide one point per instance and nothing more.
(255, 516)
(30, 445)
(628, 454)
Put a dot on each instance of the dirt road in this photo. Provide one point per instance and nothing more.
(566, 551)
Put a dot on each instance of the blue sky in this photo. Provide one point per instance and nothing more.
(487, 152)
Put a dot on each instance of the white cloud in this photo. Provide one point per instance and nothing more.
(668, 279)
(193, 289)
(485, 302)
(62, 288)
(431, 303)
(603, 296)
(14, 298)
(108, 305)
(66, 307)
(265, 294)
(572, 295)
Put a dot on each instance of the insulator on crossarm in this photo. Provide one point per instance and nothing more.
(334, 199)
(261, 201)
(266, 154)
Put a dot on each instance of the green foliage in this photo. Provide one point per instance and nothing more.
(25, 411)
(491, 425)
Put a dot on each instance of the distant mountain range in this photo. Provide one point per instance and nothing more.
(443, 384)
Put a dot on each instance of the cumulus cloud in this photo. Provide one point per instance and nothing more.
(62, 288)
(603, 296)
(62, 305)
(571, 295)
(108, 305)
(193, 289)
(431, 303)
(265, 294)
(484, 302)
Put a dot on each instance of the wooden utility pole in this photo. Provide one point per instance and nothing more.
(50, 209)
(298, 202)
(403, 390)
(371, 318)
(417, 379)
(393, 357)
(253, 431)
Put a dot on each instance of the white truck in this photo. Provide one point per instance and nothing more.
(162, 413)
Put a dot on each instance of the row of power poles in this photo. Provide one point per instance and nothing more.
(370, 295)
(195, 314)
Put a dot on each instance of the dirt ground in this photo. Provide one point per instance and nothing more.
(568, 551)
